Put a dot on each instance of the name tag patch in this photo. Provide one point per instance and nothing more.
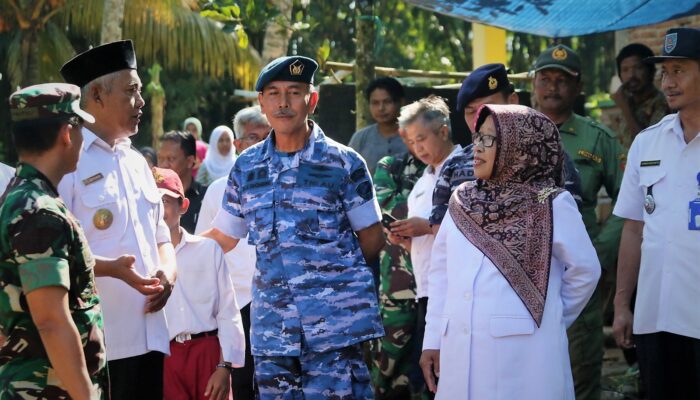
(93, 179)
(650, 163)
(590, 156)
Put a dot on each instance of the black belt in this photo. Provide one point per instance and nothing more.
(204, 334)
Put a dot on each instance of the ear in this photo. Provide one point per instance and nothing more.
(185, 205)
(64, 136)
(237, 143)
(313, 102)
(513, 98)
(95, 94)
(191, 161)
(260, 101)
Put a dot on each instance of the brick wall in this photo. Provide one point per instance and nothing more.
(652, 35)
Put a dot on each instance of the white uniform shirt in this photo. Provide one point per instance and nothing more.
(490, 346)
(240, 260)
(669, 276)
(420, 204)
(6, 174)
(118, 183)
(203, 298)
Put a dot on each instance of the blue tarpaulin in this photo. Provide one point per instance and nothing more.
(560, 18)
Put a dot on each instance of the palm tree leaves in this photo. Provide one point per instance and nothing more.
(170, 33)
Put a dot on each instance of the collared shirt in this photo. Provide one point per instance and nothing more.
(669, 275)
(420, 204)
(301, 210)
(240, 260)
(393, 181)
(114, 196)
(6, 174)
(42, 245)
(195, 194)
(203, 298)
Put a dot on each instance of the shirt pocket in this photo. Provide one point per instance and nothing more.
(318, 218)
(649, 177)
(259, 213)
(503, 326)
(105, 216)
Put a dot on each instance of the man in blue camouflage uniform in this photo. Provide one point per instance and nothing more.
(487, 84)
(308, 205)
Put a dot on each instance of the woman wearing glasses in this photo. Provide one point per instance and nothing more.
(512, 267)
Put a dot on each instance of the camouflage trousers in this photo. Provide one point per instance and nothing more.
(395, 370)
(337, 374)
(586, 349)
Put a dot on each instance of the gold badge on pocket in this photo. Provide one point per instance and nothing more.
(102, 219)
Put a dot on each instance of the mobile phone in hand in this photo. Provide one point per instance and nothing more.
(387, 220)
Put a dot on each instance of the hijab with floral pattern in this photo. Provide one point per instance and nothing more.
(509, 216)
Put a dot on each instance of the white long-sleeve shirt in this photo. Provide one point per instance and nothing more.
(203, 298)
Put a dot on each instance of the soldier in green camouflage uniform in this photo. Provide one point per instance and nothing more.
(395, 372)
(600, 160)
(46, 267)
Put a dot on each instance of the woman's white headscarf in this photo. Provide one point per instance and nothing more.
(218, 164)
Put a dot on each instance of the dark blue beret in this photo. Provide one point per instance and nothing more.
(290, 68)
(483, 81)
(679, 43)
(99, 61)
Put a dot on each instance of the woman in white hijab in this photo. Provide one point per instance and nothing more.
(220, 156)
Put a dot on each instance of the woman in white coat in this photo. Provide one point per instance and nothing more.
(512, 267)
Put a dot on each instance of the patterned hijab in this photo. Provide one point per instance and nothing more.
(509, 216)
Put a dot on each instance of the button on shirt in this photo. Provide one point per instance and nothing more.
(203, 298)
(300, 211)
(420, 204)
(669, 275)
(117, 182)
(240, 260)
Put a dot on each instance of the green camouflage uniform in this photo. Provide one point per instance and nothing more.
(647, 113)
(41, 245)
(600, 161)
(395, 371)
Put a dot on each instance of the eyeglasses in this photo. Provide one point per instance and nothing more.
(484, 140)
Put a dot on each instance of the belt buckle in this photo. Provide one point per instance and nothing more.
(183, 337)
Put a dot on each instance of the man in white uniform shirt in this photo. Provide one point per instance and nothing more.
(114, 196)
(6, 174)
(660, 200)
(250, 126)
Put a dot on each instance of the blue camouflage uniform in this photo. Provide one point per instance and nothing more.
(313, 293)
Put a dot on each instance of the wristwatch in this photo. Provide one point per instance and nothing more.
(226, 365)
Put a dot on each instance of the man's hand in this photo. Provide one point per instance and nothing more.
(123, 268)
(430, 364)
(411, 227)
(622, 327)
(156, 302)
(397, 240)
(218, 385)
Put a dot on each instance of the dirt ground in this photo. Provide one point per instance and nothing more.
(620, 381)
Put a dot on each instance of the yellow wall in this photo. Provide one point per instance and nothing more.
(489, 45)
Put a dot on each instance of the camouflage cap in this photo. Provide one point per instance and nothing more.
(559, 57)
(45, 101)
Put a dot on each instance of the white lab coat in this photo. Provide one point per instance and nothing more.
(490, 346)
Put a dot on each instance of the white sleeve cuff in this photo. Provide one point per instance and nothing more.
(364, 215)
(229, 224)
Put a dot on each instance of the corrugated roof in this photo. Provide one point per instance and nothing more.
(561, 18)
